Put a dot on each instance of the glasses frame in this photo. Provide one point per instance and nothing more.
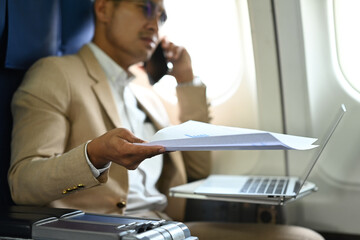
(151, 10)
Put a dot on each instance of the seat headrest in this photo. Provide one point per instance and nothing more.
(36, 29)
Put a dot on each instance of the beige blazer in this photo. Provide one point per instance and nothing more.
(64, 102)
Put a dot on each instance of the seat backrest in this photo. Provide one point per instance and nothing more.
(9, 80)
(30, 30)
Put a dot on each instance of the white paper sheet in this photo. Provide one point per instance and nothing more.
(199, 136)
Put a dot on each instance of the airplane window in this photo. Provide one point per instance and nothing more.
(210, 31)
(347, 18)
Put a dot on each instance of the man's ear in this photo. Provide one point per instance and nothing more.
(102, 10)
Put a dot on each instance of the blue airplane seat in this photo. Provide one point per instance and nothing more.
(30, 30)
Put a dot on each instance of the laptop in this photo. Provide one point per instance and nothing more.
(261, 189)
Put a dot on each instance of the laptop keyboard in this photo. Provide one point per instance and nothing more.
(265, 185)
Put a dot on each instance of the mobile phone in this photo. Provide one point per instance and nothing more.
(156, 67)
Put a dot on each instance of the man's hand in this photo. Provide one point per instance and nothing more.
(117, 146)
(180, 58)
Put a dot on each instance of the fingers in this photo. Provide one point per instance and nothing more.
(135, 154)
(125, 134)
(180, 58)
(172, 51)
(117, 146)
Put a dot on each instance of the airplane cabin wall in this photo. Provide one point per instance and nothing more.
(256, 104)
(313, 88)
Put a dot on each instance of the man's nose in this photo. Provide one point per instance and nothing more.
(155, 22)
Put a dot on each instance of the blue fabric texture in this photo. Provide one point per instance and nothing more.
(46, 27)
(2, 17)
(77, 25)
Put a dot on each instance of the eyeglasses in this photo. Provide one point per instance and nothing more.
(150, 9)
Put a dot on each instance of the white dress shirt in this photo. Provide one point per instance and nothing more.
(143, 194)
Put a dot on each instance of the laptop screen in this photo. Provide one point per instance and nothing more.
(324, 140)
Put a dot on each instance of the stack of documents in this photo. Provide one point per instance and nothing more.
(199, 136)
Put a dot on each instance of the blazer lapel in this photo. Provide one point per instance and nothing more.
(101, 87)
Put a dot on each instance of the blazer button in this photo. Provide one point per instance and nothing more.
(121, 204)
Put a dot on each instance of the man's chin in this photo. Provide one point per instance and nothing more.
(145, 55)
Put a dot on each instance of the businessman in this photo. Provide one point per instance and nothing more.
(76, 119)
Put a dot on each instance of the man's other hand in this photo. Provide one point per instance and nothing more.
(180, 58)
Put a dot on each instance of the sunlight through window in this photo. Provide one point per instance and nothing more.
(347, 20)
(210, 31)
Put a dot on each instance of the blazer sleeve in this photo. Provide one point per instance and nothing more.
(193, 105)
(42, 169)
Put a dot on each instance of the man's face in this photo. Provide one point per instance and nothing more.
(132, 31)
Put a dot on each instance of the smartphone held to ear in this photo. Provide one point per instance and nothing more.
(157, 66)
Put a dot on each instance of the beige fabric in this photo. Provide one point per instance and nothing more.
(242, 231)
(62, 103)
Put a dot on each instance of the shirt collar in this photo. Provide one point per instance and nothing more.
(113, 71)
